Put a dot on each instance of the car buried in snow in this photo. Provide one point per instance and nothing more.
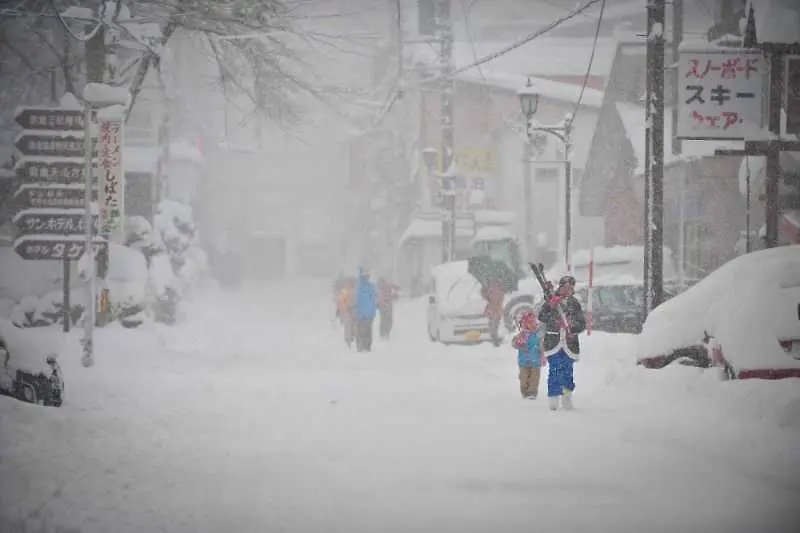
(743, 318)
(29, 373)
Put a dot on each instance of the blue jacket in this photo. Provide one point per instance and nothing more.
(530, 356)
(366, 298)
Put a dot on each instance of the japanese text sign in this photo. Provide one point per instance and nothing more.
(720, 93)
(52, 247)
(111, 204)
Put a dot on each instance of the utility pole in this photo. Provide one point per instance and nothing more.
(677, 38)
(445, 37)
(654, 207)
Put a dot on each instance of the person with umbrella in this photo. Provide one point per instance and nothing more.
(496, 279)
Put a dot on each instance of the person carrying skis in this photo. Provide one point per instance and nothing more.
(529, 355)
(366, 309)
(386, 296)
(563, 319)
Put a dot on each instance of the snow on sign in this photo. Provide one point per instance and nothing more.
(54, 247)
(720, 93)
(112, 189)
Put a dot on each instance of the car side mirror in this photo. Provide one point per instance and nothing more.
(431, 299)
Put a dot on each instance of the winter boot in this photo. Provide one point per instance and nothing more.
(553, 402)
(566, 400)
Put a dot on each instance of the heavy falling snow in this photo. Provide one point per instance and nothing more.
(239, 168)
(254, 416)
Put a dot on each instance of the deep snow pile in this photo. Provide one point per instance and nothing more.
(268, 422)
(745, 304)
(147, 278)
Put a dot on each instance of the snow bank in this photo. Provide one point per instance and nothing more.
(20, 278)
(493, 233)
(743, 305)
(29, 348)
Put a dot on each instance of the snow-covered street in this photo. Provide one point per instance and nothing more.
(252, 415)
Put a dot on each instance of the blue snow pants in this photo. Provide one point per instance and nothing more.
(560, 374)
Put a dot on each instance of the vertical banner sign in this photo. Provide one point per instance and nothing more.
(792, 94)
(720, 94)
(112, 189)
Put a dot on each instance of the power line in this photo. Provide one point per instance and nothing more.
(525, 40)
(468, 27)
(591, 60)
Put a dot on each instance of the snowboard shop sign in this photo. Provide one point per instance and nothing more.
(111, 165)
(720, 94)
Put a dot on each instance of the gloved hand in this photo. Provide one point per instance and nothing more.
(554, 301)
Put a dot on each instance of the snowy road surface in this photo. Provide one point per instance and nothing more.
(254, 417)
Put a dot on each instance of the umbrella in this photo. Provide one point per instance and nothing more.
(486, 269)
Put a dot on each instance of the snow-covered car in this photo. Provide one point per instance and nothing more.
(455, 306)
(746, 314)
(30, 371)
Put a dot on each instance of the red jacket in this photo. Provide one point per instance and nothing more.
(494, 296)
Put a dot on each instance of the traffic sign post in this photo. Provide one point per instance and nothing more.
(55, 247)
(49, 169)
(50, 119)
(51, 196)
(41, 221)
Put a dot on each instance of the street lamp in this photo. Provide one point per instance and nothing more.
(529, 102)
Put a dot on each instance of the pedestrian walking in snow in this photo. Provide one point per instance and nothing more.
(345, 309)
(494, 295)
(387, 294)
(530, 356)
(563, 319)
(366, 309)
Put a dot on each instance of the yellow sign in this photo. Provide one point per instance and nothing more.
(474, 161)
(473, 336)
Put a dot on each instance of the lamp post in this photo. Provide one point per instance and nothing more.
(529, 102)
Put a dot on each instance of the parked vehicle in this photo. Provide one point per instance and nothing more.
(455, 306)
(618, 286)
(744, 318)
(22, 376)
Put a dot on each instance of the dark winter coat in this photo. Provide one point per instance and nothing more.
(551, 318)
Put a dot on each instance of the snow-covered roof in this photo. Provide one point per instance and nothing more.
(492, 216)
(533, 59)
(767, 281)
(554, 90)
(428, 229)
(633, 119)
(777, 21)
(492, 233)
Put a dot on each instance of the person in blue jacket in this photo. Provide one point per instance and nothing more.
(529, 355)
(366, 309)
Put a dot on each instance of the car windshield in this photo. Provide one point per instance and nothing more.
(620, 297)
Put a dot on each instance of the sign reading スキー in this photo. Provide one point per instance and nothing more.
(720, 93)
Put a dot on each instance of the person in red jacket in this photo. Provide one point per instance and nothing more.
(494, 295)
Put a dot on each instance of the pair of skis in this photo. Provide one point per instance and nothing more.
(549, 292)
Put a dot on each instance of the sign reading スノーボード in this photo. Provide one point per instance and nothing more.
(43, 247)
(720, 93)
